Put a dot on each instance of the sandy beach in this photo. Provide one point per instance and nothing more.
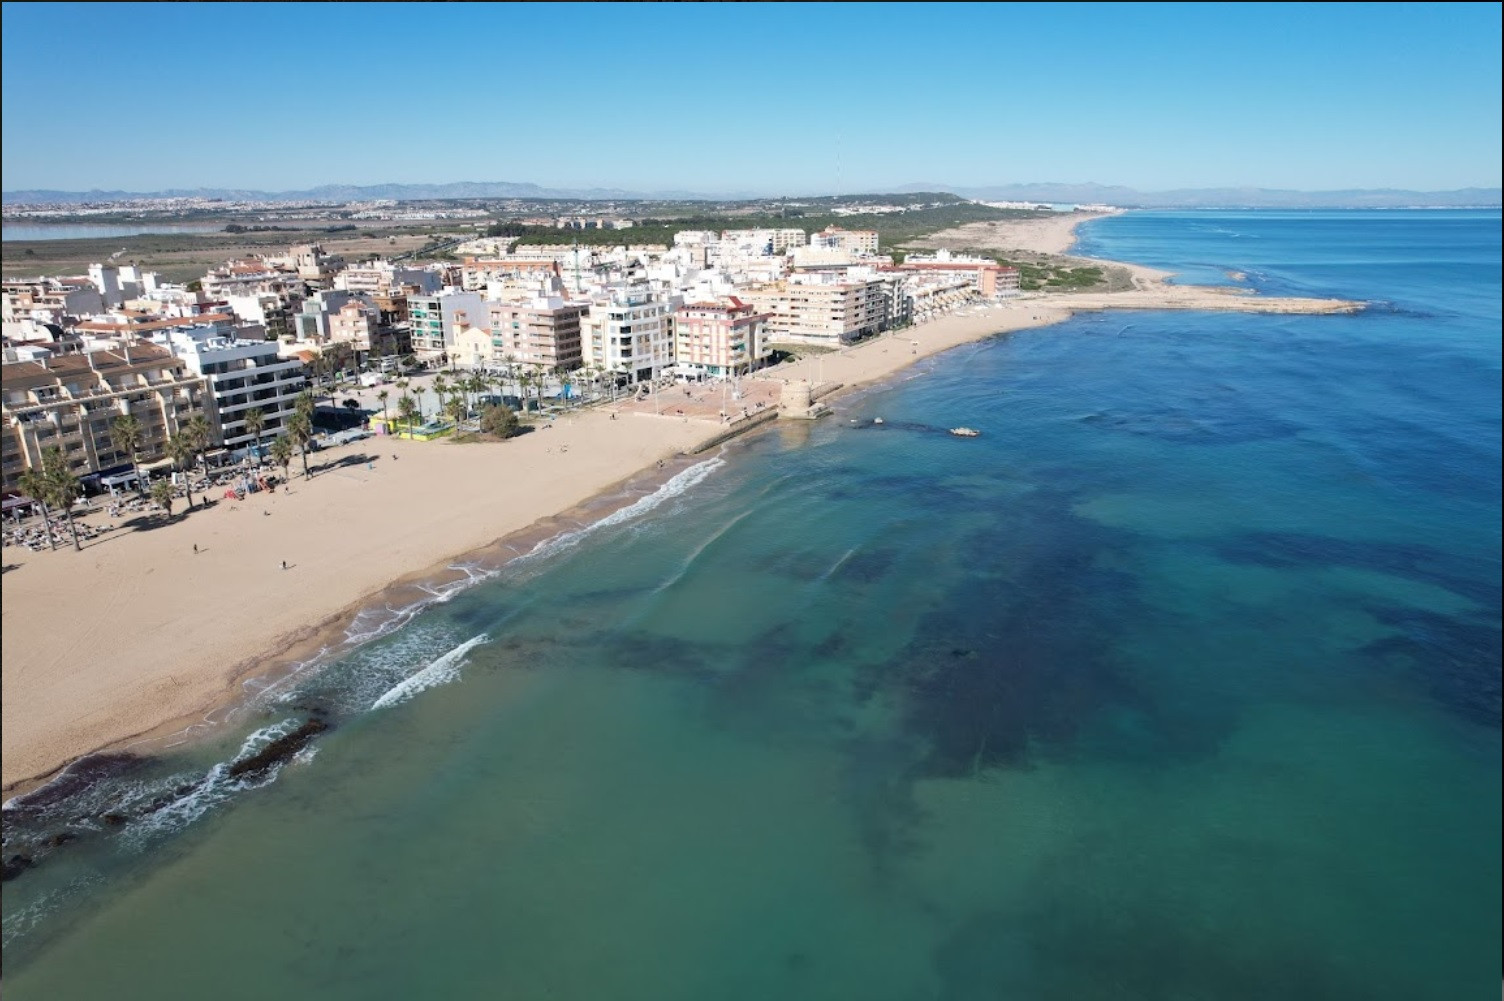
(141, 635)
(1045, 235)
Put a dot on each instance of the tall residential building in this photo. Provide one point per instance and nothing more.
(356, 324)
(823, 309)
(632, 335)
(435, 318)
(544, 333)
(71, 400)
(242, 375)
(719, 339)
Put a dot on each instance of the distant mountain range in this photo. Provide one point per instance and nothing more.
(1053, 193)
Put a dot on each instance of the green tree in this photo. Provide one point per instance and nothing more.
(300, 430)
(125, 435)
(200, 436)
(382, 396)
(407, 410)
(282, 450)
(33, 483)
(162, 493)
(500, 421)
(255, 421)
(180, 448)
(457, 408)
(62, 487)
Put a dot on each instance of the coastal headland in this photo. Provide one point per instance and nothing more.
(142, 636)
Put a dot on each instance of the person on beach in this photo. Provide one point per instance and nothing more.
(195, 549)
(284, 564)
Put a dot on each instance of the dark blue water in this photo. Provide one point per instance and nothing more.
(1182, 681)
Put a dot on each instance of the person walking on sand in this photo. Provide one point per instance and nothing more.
(284, 564)
(195, 549)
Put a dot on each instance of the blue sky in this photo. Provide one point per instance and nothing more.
(786, 99)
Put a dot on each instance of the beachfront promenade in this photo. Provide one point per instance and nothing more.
(142, 634)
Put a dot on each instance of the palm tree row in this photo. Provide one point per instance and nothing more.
(55, 488)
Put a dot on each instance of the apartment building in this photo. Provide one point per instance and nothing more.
(125, 324)
(247, 278)
(275, 312)
(356, 323)
(824, 309)
(719, 338)
(992, 280)
(631, 334)
(775, 241)
(48, 300)
(856, 241)
(242, 375)
(480, 273)
(384, 277)
(433, 319)
(70, 401)
(544, 333)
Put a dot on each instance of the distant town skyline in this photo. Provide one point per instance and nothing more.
(749, 97)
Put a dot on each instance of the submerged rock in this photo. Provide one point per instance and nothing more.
(14, 866)
(280, 749)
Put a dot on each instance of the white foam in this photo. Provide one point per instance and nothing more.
(839, 563)
(442, 671)
(690, 559)
(216, 787)
(671, 488)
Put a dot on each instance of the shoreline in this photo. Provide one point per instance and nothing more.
(93, 695)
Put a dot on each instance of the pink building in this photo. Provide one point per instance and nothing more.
(719, 339)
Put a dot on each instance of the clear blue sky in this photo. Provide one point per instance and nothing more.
(779, 99)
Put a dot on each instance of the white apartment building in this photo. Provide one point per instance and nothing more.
(632, 335)
(383, 277)
(247, 278)
(856, 241)
(242, 375)
(824, 309)
(435, 318)
(274, 311)
(770, 241)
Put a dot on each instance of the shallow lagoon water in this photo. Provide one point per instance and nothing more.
(1182, 681)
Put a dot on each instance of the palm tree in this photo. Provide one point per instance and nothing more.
(382, 396)
(304, 404)
(62, 487)
(125, 435)
(300, 430)
(281, 451)
(161, 492)
(255, 420)
(200, 436)
(180, 448)
(458, 409)
(406, 411)
(440, 387)
(33, 482)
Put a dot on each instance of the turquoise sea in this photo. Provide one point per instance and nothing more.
(1181, 682)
